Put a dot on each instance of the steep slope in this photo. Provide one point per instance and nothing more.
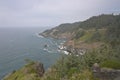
(61, 31)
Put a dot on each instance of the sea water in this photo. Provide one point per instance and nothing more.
(18, 44)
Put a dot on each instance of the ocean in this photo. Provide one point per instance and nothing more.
(19, 44)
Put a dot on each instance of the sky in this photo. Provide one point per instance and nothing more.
(27, 13)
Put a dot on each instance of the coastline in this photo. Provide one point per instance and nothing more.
(67, 47)
(37, 34)
(61, 48)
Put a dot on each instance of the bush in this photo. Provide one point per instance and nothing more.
(85, 75)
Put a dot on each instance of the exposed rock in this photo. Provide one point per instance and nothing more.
(105, 73)
(96, 67)
(40, 69)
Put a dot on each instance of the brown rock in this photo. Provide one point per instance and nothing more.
(40, 69)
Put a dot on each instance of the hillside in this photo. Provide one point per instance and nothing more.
(61, 31)
(90, 33)
(71, 29)
(100, 34)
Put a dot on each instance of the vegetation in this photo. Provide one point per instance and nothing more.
(96, 22)
(72, 67)
(79, 34)
(114, 64)
(69, 67)
(103, 28)
(28, 72)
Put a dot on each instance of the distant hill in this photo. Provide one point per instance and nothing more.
(71, 29)
(101, 21)
(61, 31)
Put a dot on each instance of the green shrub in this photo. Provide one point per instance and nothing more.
(79, 34)
(85, 75)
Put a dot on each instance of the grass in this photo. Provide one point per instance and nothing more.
(114, 64)
(88, 34)
(85, 37)
(28, 72)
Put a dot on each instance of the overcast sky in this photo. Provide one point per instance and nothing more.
(19, 13)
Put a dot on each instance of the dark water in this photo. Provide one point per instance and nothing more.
(18, 44)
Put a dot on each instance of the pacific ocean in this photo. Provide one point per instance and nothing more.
(18, 44)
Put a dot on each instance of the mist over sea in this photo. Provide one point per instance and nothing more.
(18, 44)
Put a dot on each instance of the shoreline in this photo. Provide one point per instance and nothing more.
(66, 49)
(37, 34)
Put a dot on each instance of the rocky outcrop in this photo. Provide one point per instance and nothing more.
(40, 69)
(105, 73)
